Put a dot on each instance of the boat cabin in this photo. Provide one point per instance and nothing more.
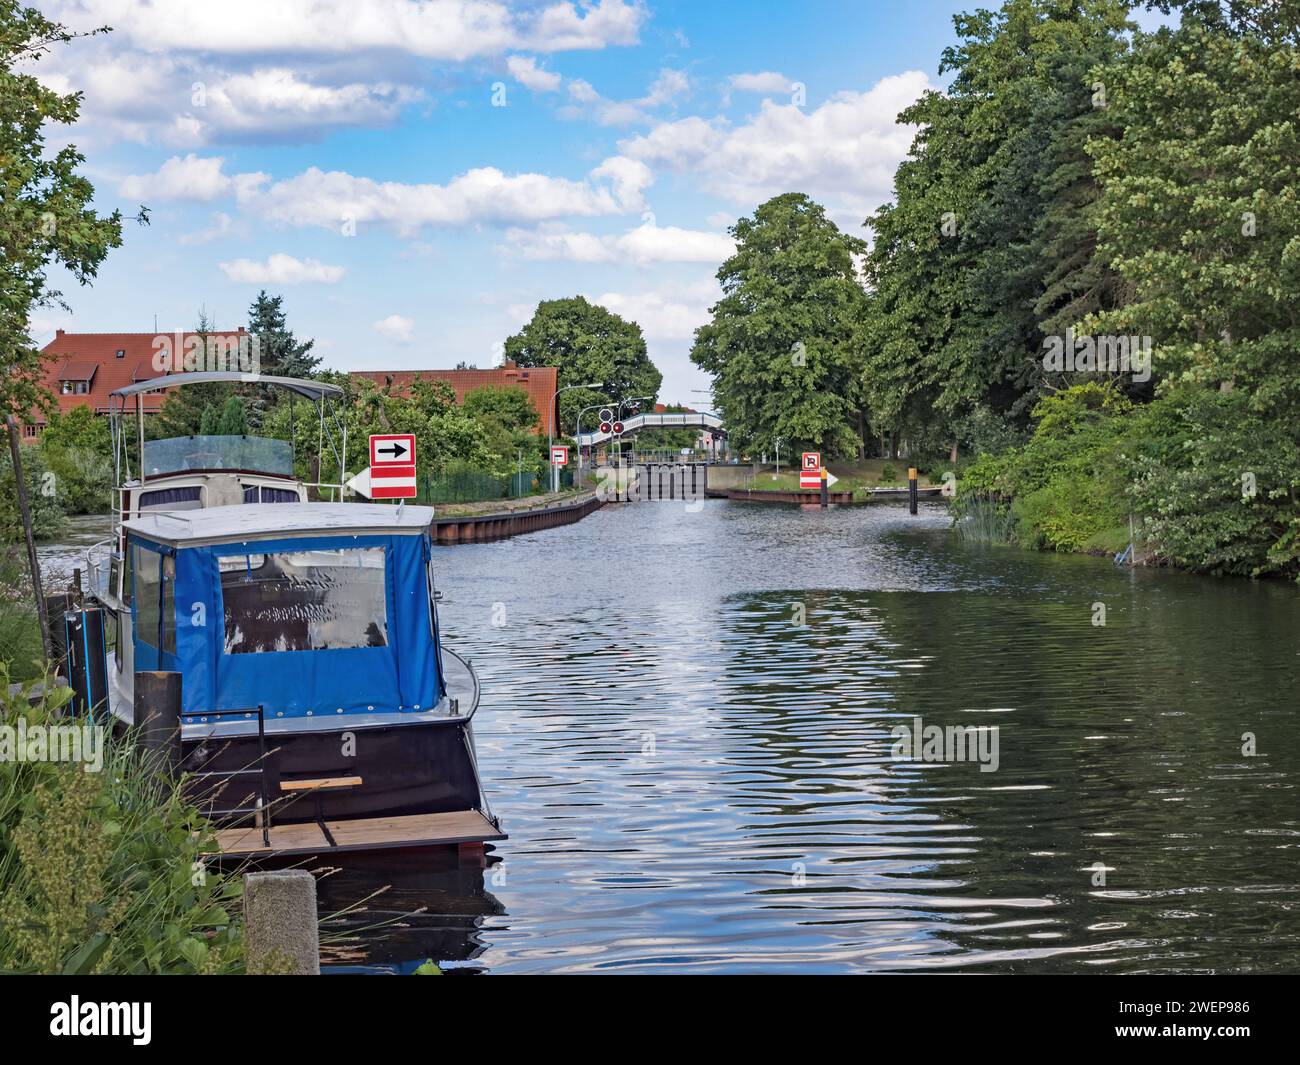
(319, 609)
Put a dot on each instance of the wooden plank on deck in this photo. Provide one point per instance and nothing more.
(361, 833)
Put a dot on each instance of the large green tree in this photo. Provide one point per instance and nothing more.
(587, 343)
(1199, 210)
(780, 345)
(989, 244)
(45, 204)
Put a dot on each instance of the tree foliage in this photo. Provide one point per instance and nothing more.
(45, 214)
(587, 344)
(780, 345)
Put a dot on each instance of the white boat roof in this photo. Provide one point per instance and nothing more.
(269, 521)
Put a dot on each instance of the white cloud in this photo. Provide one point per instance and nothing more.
(395, 328)
(485, 194)
(190, 74)
(429, 29)
(769, 82)
(843, 152)
(663, 316)
(524, 69)
(588, 103)
(189, 178)
(320, 198)
(221, 226)
(281, 269)
(645, 244)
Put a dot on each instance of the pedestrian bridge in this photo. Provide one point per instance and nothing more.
(639, 422)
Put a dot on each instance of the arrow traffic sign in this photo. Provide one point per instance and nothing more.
(392, 449)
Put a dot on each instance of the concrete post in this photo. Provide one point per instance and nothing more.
(911, 490)
(280, 929)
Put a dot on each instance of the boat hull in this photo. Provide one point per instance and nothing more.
(425, 766)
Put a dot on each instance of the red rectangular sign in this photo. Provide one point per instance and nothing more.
(392, 449)
(392, 482)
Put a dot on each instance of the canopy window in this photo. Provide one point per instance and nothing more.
(312, 600)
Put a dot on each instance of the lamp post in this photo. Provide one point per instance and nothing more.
(577, 433)
(623, 403)
(550, 435)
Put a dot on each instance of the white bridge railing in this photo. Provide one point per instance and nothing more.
(695, 420)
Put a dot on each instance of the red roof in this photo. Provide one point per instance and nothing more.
(540, 382)
(105, 362)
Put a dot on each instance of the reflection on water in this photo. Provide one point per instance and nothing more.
(692, 781)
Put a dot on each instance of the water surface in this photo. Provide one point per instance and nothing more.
(692, 781)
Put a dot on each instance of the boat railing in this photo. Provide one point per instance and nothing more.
(260, 811)
(99, 568)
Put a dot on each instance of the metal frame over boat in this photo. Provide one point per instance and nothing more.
(316, 700)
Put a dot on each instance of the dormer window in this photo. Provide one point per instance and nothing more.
(120, 353)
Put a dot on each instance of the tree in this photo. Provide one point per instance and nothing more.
(281, 352)
(1199, 210)
(780, 345)
(192, 410)
(990, 243)
(45, 214)
(586, 343)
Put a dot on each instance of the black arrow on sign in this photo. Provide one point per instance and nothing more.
(396, 450)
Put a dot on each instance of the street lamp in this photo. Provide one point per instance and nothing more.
(624, 403)
(550, 436)
(577, 432)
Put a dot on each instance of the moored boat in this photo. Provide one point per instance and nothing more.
(318, 707)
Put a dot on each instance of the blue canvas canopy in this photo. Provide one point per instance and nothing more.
(304, 609)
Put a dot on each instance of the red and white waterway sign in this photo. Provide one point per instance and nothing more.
(812, 460)
(393, 449)
(810, 475)
(391, 473)
(560, 455)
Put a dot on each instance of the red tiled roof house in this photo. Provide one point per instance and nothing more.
(540, 382)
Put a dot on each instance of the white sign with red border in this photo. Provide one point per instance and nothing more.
(392, 449)
(812, 460)
(560, 455)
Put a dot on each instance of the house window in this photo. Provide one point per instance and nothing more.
(120, 353)
(32, 430)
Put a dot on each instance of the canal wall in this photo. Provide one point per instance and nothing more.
(476, 528)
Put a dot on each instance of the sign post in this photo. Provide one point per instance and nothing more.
(559, 457)
(391, 473)
(810, 472)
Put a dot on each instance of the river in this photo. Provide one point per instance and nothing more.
(686, 731)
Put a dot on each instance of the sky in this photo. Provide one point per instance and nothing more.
(414, 176)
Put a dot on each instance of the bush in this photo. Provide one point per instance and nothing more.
(1217, 484)
(42, 497)
(100, 872)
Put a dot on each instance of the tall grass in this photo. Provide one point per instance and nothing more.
(985, 521)
(102, 872)
(20, 632)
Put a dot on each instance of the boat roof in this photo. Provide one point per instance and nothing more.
(313, 390)
(270, 521)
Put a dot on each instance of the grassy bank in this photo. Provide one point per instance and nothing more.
(100, 868)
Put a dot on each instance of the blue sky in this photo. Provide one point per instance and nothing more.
(414, 177)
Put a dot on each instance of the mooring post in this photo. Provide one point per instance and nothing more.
(826, 488)
(158, 713)
(280, 929)
(911, 489)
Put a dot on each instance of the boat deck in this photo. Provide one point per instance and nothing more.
(359, 834)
